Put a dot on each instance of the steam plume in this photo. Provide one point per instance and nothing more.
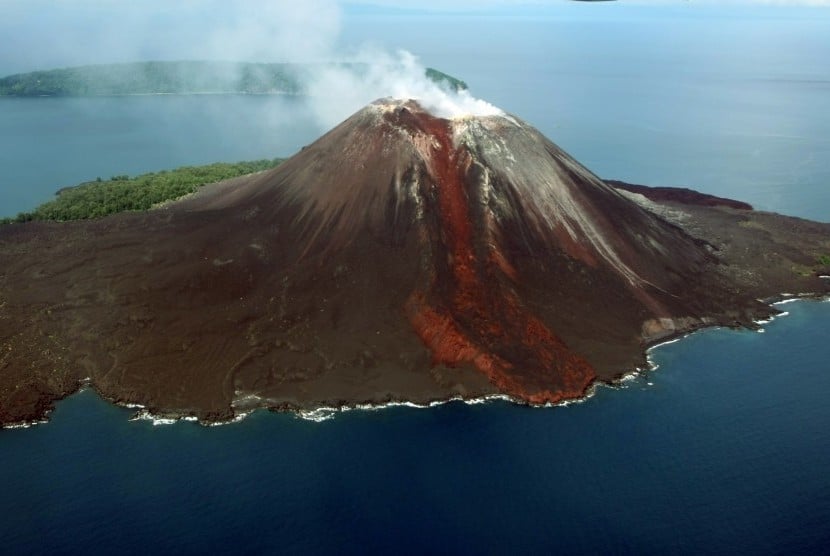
(82, 32)
(336, 91)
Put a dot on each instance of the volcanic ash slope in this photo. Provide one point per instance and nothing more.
(402, 256)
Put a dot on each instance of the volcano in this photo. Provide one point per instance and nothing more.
(401, 257)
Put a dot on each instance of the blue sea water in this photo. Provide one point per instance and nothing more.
(50, 143)
(735, 104)
(721, 450)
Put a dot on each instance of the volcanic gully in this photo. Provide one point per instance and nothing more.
(400, 257)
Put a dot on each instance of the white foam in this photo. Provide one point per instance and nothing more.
(321, 414)
(317, 415)
(652, 366)
(667, 342)
(166, 419)
(590, 393)
(239, 417)
(158, 420)
(488, 399)
(771, 318)
(618, 384)
(629, 377)
(25, 424)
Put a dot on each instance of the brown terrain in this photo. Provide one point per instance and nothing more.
(401, 257)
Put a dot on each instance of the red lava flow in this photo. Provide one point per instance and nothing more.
(481, 319)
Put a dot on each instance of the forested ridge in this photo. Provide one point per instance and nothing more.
(100, 197)
(188, 77)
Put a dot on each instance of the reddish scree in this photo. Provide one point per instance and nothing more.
(481, 320)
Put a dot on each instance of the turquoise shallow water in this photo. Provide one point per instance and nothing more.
(722, 450)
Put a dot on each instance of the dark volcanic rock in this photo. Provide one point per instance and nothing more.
(400, 257)
(679, 195)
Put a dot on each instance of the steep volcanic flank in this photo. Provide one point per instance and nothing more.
(401, 256)
(478, 196)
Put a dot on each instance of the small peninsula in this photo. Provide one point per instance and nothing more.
(94, 199)
(403, 256)
(182, 77)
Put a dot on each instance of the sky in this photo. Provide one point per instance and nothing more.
(48, 34)
(44, 34)
(477, 5)
(553, 69)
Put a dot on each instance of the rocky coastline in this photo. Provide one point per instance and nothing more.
(402, 258)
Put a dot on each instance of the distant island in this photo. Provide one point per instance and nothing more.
(181, 77)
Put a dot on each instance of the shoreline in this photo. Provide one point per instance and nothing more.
(329, 412)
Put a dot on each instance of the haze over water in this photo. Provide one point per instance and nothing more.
(734, 102)
(723, 449)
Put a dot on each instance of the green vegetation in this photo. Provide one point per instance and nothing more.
(175, 78)
(154, 78)
(449, 81)
(121, 193)
(824, 260)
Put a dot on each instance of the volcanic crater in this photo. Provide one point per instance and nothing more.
(401, 257)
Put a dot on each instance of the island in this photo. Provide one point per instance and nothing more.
(183, 77)
(402, 257)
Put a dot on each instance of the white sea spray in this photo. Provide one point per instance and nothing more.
(25, 424)
(158, 420)
(327, 413)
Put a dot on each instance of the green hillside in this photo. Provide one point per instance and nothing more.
(122, 193)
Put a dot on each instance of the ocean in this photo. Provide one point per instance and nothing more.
(722, 449)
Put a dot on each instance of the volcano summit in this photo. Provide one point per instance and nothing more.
(401, 257)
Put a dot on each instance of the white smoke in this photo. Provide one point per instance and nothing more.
(337, 91)
(46, 34)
